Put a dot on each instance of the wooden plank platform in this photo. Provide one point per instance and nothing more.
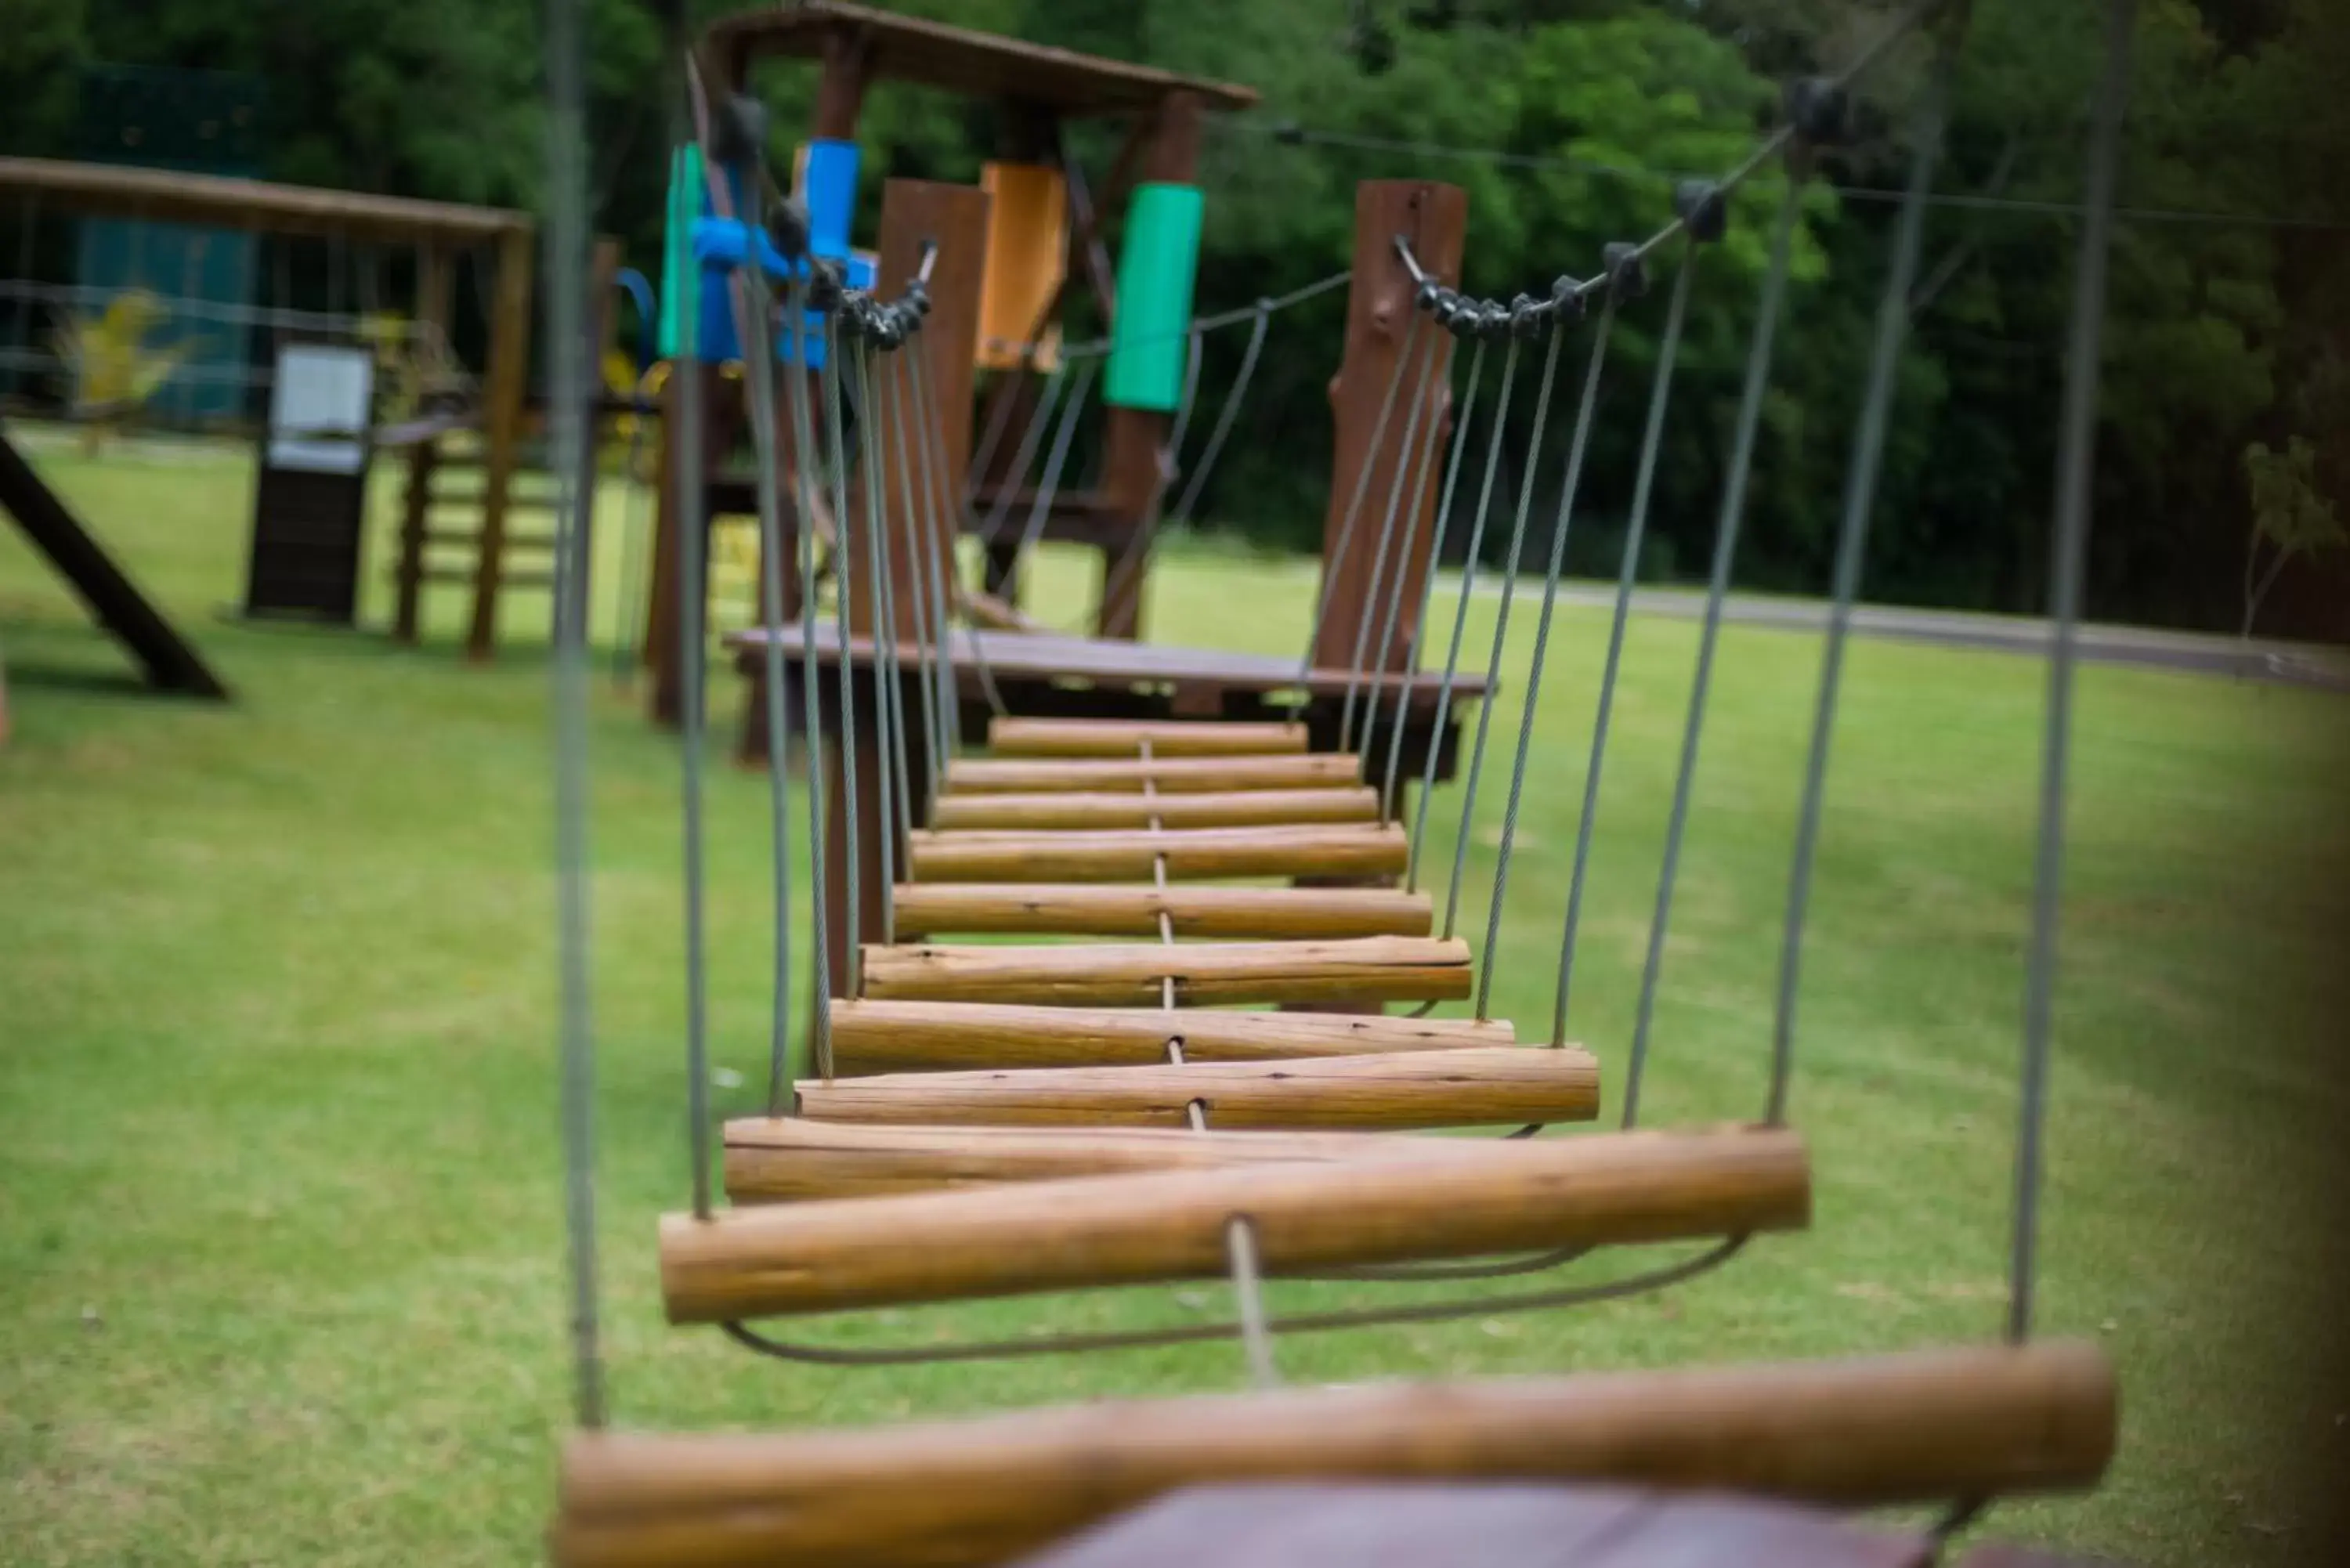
(1166, 775)
(1123, 974)
(981, 1490)
(870, 1036)
(780, 1159)
(1535, 1194)
(1016, 737)
(1222, 808)
(1391, 1091)
(1123, 909)
(1129, 855)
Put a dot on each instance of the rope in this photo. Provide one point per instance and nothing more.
(1030, 439)
(567, 229)
(1500, 624)
(1643, 488)
(940, 554)
(1578, 445)
(691, 519)
(1852, 544)
(1057, 462)
(890, 730)
(1412, 458)
(1461, 611)
(844, 557)
(1725, 549)
(1387, 811)
(917, 521)
(2076, 438)
(1404, 358)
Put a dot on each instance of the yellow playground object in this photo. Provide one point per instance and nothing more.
(1027, 256)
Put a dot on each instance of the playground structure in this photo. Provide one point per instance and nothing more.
(442, 235)
(964, 1121)
(1014, 249)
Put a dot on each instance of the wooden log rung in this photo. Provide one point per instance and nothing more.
(1121, 910)
(870, 1036)
(1923, 1427)
(777, 1159)
(1393, 1091)
(1127, 809)
(1167, 775)
(1345, 849)
(1128, 974)
(1014, 737)
(1162, 1226)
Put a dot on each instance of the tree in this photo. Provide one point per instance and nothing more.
(2289, 515)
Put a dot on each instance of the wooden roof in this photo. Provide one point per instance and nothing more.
(220, 201)
(960, 60)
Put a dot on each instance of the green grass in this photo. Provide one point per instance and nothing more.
(280, 1248)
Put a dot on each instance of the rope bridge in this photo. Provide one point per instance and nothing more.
(967, 1120)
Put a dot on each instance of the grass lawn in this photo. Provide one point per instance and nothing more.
(280, 1247)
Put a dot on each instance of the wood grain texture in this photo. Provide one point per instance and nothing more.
(1127, 855)
(774, 1159)
(1124, 909)
(1014, 737)
(872, 1037)
(1168, 775)
(1169, 1225)
(1917, 1428)
(1128, 974)
(1475, 1085)
(1111, 808)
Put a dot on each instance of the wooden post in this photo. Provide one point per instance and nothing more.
(955, 218)
(509, 377)
(415, 512)
(719, 407)
(1134, 457)
(1379, 314)
(436, 281)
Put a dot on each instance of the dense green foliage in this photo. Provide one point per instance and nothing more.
(2222, 335)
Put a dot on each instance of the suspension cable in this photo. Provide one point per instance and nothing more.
(1411, 457)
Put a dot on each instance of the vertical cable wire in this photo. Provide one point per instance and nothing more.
(1501, 624)
(566, 291)
(1031, 439)
(1337, 552)
(1425, 466)
(2076, 450)
(1040, 505)
(1725, 551)
(1409, 455)
(1636, 526)
(939, 554)
(913, 525)
(756, 313)
(1450, 488)
(1460, 615)
(1852, 547)
(1577, 445)
(691, 519)
(805, 442)
(844, 579)
(890, 730)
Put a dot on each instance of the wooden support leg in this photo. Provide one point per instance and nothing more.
(415, 509)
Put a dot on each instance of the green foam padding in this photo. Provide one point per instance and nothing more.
(1151, 333)
(677, 295)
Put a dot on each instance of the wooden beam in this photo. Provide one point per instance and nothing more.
(1610, 1189)
(1342, 849)
(1367, 969)
(218, 201)
(1223, 808)
(507, 383)
(1168, 775)
(1864, 1431)
(870, 1036)
(1011, 737)
(1121, 910)
(786, 1159)
(1392, 1091)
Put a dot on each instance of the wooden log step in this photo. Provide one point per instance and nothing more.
(1094, 1230)
(1393, 1091)
(1108, 808)
(1923, 1427)
(1132, 910)
(1128, 855)
(1168, 775)
(777, 1160)
(870, 1036)
(1010, 737)
(1206, 974)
